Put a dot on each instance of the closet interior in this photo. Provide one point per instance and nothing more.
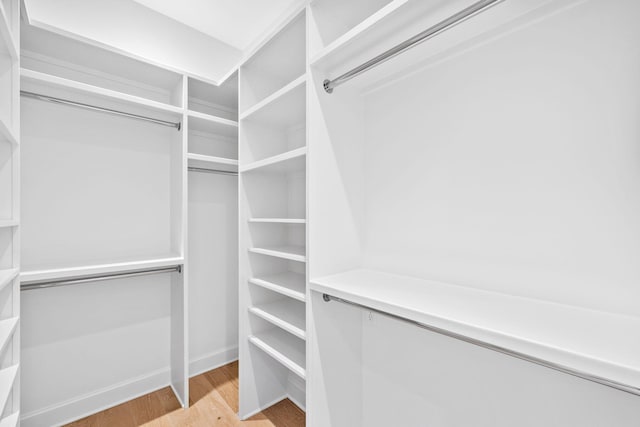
(390, 212)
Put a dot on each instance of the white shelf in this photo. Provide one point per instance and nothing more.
(278, 220)
(288, 283)
(206, 123)
(55, 82)
(6, 133)
(86, 270)
(284, 348)
(291, 161)
(588, 341)
(286, 107)
(7, 378)
(10, 420)
(10, 45)
(212, 162)
(5, 223)
(293, 253)
(359, 29)
(7, 328)
(7, 276)
(285, 314)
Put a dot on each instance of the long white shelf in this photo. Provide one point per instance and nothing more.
(7, 378)
(211, 124)
(284, 348)
(285, 107)
(291, 161)
(7, 276)
(30, 76)
(288, 283)
(293, 253)
(7, 328)
(278, 220)
(600, 344)
(10, 45)
(285, 314)
(10, 420)
(94, 269)
(212, 162)
(6, 133)
(5, 223)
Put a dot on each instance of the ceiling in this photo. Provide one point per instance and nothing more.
(238, 23)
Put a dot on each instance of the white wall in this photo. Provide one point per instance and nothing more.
(514, 165)
(132, 29)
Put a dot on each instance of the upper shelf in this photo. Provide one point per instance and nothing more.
(400, 20)
(286, 107)
(592, 342)
(6, 133)
(212, 162)
(7, 276)
(81, 92)
(201, 122)
(124, 266)
(290, 161)
(9, 45)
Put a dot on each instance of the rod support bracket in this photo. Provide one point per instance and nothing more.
(326, 297)
(326, 84)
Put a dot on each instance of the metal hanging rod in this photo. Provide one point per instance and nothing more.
(440, 27)
(532, 359)
(28, 286)
(33, 95)
(216, 171)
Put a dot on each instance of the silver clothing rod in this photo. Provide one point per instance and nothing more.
(28, 286)
(440, 27)
(216, 171)
(532, 359)
(176, 125)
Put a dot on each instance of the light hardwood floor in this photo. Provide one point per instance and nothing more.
(213, 402)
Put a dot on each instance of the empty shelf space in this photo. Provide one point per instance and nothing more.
(6, 133)
(7, 328)
(40, 275)
(74, 88)
(290, 161)
(206, 123)
(9, 44)
(7, 378)
(288, 283)
(588, 341)
(286, 107)
(286, 314)
(10, 420)
(6, 276)
(284, 348)
(4, 223)
(278, 220)
(211, 162)
(293, 253)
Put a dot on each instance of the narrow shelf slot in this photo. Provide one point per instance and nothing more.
(286, 314)
(10, 420)
(284, 348)
(293, 253)
(10, 46)
(7, 276)
(288, 283)
(7, 378)
(6, 133)
(212, 162)
(4, 223)
(7, 328)
(278, 220)
(207, 123)
(291, 161)
(286, 107)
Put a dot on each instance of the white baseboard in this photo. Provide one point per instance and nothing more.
(296, 390)
(212, 361)
(99, 400)
(108, 397)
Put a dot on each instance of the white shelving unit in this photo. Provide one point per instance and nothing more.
(10, 229)
(273, 200)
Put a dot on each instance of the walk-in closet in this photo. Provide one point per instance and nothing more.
(325, 213)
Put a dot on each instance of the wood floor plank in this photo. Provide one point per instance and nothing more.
(213, 401)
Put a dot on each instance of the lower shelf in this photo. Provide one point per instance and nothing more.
(293, 253)
(10, 420)
(284, 348)
(7, 328)
(286, 314)
(7, 378)
(288, 283)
